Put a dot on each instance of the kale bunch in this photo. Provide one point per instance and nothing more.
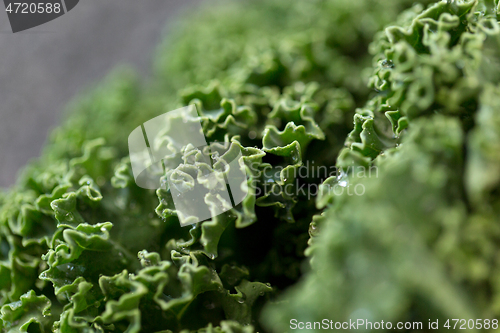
(422, 242)
(84, 249)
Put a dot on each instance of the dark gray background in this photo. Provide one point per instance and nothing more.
(43, 68)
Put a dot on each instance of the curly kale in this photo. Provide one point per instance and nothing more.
(84, 249)
(422, 241)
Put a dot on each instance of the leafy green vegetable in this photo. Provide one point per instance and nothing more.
(421, 242)
(84, 249)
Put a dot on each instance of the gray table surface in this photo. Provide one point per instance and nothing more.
(43, 68)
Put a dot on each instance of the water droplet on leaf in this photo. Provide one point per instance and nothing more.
(387, 64)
